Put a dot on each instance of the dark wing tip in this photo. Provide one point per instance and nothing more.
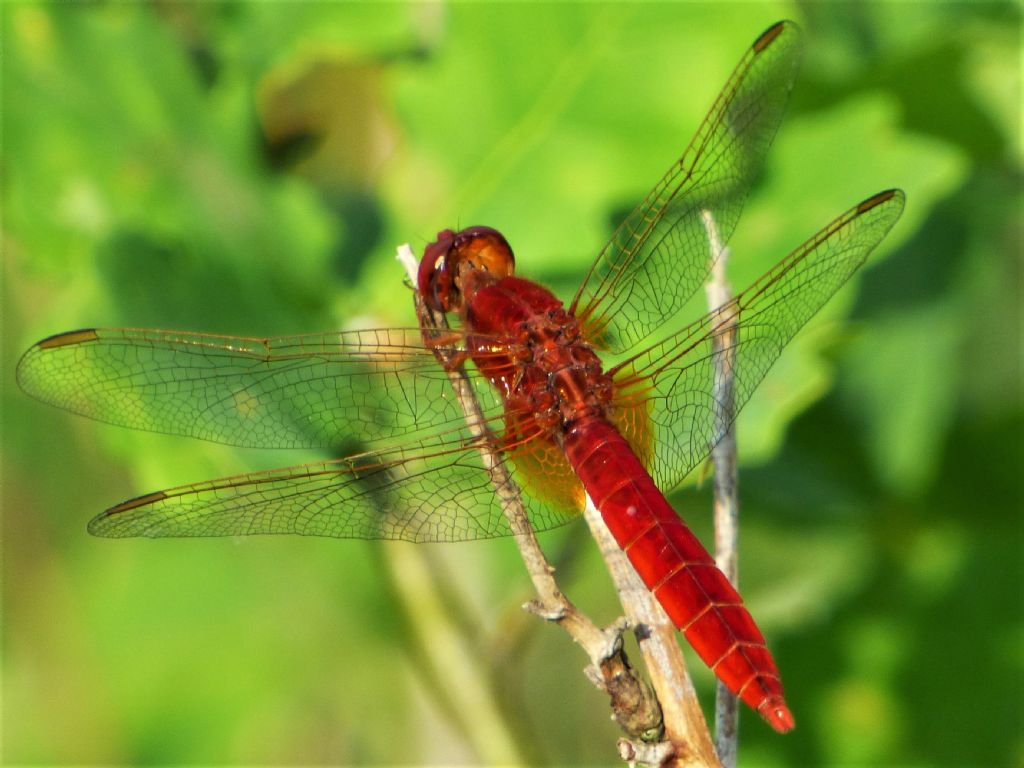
(882, 197)
(109, 523)
(771, 34)
(30, 370)
(68, 338)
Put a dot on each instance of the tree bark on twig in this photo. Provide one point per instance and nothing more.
(726, 480)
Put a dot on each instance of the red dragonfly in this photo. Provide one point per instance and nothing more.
(565, 426)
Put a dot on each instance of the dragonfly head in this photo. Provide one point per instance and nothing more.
(453, 256)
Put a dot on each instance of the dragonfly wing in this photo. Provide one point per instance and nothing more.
(430, 491)
(341, 391)
(690, 399)
(659, 256)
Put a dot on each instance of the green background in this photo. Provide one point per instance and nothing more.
(249, 168)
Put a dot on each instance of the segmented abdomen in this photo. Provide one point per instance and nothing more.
(675, 566)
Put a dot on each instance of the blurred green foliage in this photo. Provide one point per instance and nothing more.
(249, 168)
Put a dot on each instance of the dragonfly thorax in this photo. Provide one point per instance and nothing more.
(545, 369)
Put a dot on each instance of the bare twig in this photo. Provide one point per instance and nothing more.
(723, 456)
(633, 705)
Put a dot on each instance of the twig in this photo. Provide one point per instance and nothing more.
(726, 482)
(633, 705)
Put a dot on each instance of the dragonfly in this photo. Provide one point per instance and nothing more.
(405, 460)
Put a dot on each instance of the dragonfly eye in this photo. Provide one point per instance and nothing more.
(447, 260)
(484, 248)
(434, 280)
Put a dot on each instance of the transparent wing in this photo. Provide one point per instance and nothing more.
(434, 490)
(681, 382)
(424, 482)
(658, 256)
(330, 390)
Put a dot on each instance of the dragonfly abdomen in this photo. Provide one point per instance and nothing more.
(676, 567)
(559, 387)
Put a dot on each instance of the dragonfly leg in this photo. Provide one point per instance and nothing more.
(445, 347)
